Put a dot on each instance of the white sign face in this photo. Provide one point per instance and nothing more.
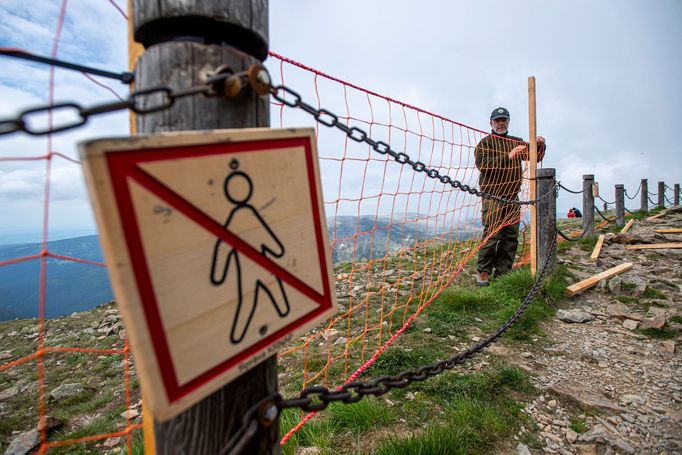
(218, 253)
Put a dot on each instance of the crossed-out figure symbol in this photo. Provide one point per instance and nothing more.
(226, 264)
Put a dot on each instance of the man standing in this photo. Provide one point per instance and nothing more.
(498, 159)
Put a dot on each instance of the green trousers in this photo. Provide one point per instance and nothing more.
(497, 255)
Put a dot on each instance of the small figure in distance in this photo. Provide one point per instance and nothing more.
(571, 213)
(499, 159)
(578, 213)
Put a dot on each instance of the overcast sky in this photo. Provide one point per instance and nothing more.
(608, 76)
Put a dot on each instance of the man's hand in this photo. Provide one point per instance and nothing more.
(519, 150)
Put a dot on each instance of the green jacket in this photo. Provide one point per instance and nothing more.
(498, 174)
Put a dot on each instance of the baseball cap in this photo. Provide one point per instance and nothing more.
(500, 112)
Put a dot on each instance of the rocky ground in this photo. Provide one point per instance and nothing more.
(610, 367)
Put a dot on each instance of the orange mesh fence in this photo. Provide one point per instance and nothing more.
(397, 237)
(65, 386)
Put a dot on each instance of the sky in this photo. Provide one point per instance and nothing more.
(607, 76)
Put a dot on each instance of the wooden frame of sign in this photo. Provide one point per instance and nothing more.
(217, 249)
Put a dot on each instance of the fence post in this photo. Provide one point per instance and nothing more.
(533, 163)
(179, 39)
(620, 205)
(588, 206)
(644, 196)
(661, 195)
(677, 194)
(546, 217)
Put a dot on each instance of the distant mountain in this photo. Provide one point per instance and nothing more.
(71, 286)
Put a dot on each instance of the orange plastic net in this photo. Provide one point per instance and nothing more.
(397, 237)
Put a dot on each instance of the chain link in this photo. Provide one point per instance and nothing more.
(331, 120)
(317, 398)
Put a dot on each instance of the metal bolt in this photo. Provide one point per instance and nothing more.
(268, 414)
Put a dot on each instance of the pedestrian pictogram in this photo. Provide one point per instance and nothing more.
(217, 250)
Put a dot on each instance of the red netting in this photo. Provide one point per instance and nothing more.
(397, 237)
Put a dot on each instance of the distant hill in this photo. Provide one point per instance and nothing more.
(71, 286)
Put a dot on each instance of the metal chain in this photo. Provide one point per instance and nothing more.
(317, 398)
(654, 203)
(605, 201)
(357, 134)
(572, 239)
(638, 190)
(125, 76)
(569, 190)
(144, 101)
(602, 215)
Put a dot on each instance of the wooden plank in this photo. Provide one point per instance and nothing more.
(593, 280)
(655, 246)
(627, 226)
(597, 248)
(602, 224)
(655, 217)
(533, 167)
(669, 231)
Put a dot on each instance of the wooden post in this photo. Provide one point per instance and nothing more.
(644, 196)
(184, 42)
(661, 195)
(676, 199)
(533, 158)
(620, 205)
(546, 218)
(588, 206)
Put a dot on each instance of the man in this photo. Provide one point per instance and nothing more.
(498, 159)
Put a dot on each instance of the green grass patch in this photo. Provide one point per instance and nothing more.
(677, 319)
(578, 425)
(626, 299)
(651, 293)
(666, 333)
(361, 416)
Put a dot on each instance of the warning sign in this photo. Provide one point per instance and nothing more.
(217, 251)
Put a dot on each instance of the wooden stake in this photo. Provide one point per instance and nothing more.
(533, 156)
(654, 246)
(597, 248)
(669, 231)
(655, 217)
(627, 226)
(592, 281)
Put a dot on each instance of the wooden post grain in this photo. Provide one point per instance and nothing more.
(588, 206)
(620, 205)
(661, 195)
(546, 218)
(676, 199)
(533, 158)
(184, 42)
(644, 196)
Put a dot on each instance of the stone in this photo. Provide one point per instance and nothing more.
(656, 323)
(574, 316)
(522, 449)
(111, 442)
(617, 308)
(571, 436)
(615, 285)
(9, 392)
(587, 398)
(600, 435)
(635, 317)
(340, 341)
(427, 330)
(586, 449)
(630, 324)
(628, 239)
(130, 414)
(667, 348)
(308, 451)
(65, 391)
(552, 403)
(23, 443)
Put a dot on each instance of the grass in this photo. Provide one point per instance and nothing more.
(626, 299)
(652, 293)
(666, 333)
(578, 425)
(677, 319)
